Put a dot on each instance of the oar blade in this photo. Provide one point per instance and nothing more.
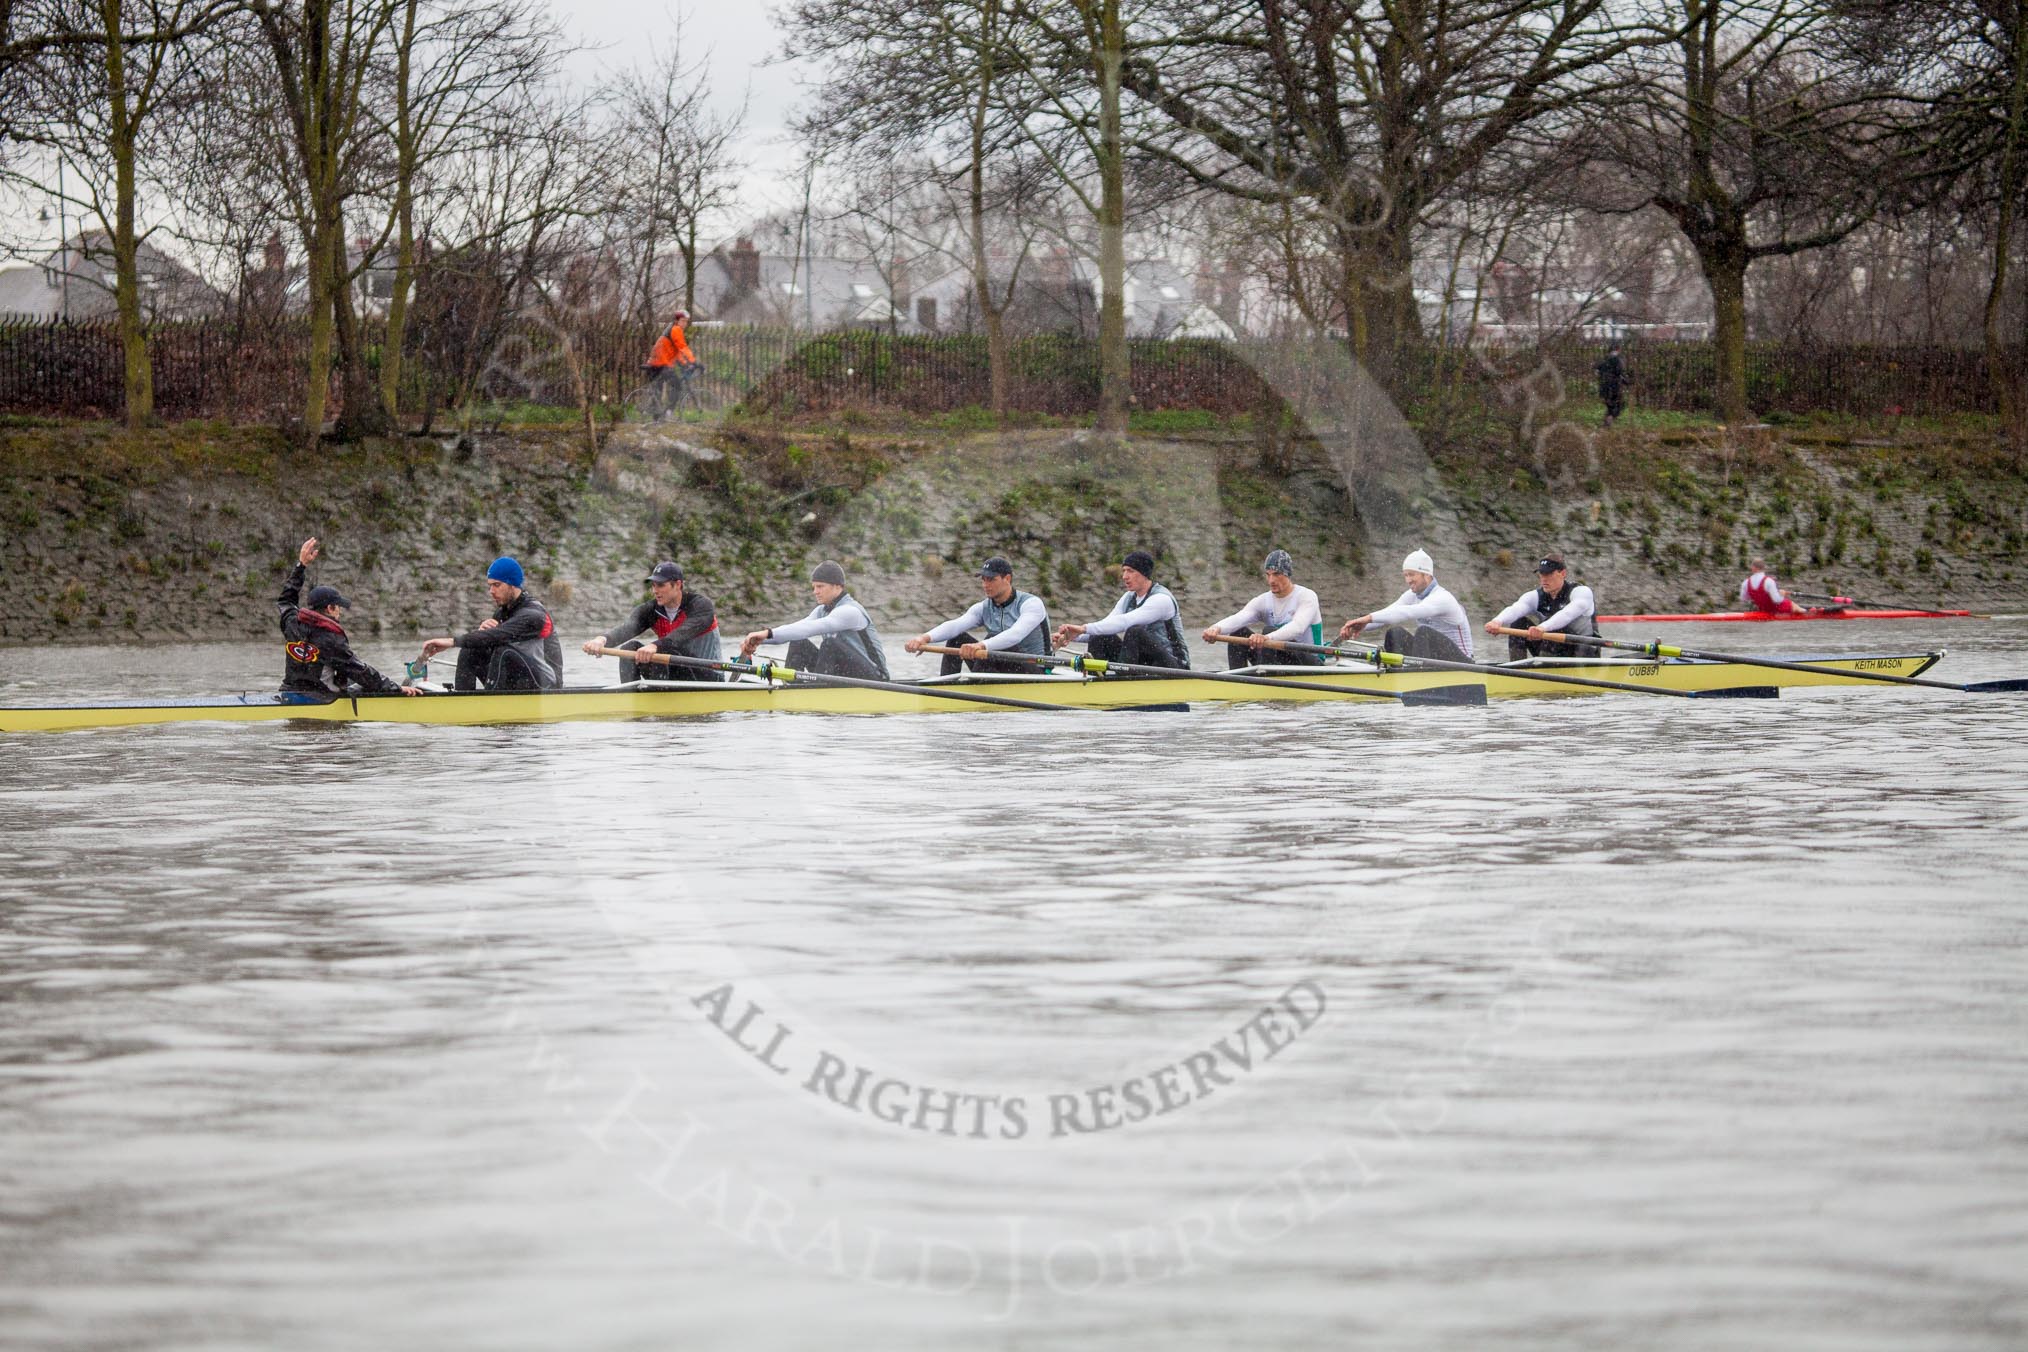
(1445, 696)
(1738, 692)
(1991, 687)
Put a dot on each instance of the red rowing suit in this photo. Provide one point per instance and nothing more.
(1762, 595)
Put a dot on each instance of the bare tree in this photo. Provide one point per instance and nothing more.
(1357, 117)
(324, 54)
(455, 68)
(1965, 63)
(94, 105)
(685, 165)
(1751, 133)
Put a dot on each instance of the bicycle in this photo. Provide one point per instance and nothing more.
(666, 393)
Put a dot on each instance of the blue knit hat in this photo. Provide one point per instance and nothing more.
(506, 570)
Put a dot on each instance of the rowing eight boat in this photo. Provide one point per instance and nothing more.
(657, 699)
(1813, 613)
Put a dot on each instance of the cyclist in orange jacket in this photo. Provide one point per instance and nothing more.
(672, 359)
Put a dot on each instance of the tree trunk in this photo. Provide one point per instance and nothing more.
(1725, 273)
(2009, 380)
(140, 378)
(397, 304)
(1115, 375)
(404, 213)
(361, 414)
(998, 375)
(1375, 282)
(317, 380)
(687, 242)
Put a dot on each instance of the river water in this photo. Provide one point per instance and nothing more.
(1564, 1024)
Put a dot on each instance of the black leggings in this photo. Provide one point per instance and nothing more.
(1518, 648)
(831, 659)
(631, 671)
(953, 664)
(1422, 643)
(1238, 655)
(504, 669)
(1141, 646)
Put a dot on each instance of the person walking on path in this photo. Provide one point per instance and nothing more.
(1612, 384)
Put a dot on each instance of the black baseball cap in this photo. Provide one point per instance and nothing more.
(996, 566)
(327, 596)
(666, 571)
(1551, 563)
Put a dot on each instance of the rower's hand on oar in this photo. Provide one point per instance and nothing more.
(1493, 627)
(595, 646)
(973, 652)
(308, 553)
(1351, 627)
(916, 644)
(1536, 632)
(752, 641)
(1066, 632)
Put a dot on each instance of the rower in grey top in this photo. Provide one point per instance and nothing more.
(1014, 621)
(1144, 627)
(835, 639)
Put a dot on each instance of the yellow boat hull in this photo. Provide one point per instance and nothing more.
(665, 700)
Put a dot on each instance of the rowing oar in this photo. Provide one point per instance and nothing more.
(1382, 658)
(1653, 649)
(774, 671)
(1822, 602)
(1098, 666)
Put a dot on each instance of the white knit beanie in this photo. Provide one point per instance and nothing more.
(1418, 562)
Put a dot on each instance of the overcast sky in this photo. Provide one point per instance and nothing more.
(746, 50)
(744, 46)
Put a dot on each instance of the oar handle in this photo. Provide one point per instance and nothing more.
(1549, 634)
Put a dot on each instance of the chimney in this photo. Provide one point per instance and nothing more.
(273, 257)
(744, 265)
(903, 286)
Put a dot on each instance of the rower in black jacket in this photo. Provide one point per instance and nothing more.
(684, 623)
(516, 649)
(318, 657)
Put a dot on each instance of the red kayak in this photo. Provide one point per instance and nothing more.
(1813, 613)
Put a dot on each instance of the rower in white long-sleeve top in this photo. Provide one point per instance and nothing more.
(1556, 606)
(1284, 612)
(1144, 627)
(835, 639)
(1014, 621)
(1440, 628)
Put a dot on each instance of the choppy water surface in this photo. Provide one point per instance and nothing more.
(1644, 1023)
